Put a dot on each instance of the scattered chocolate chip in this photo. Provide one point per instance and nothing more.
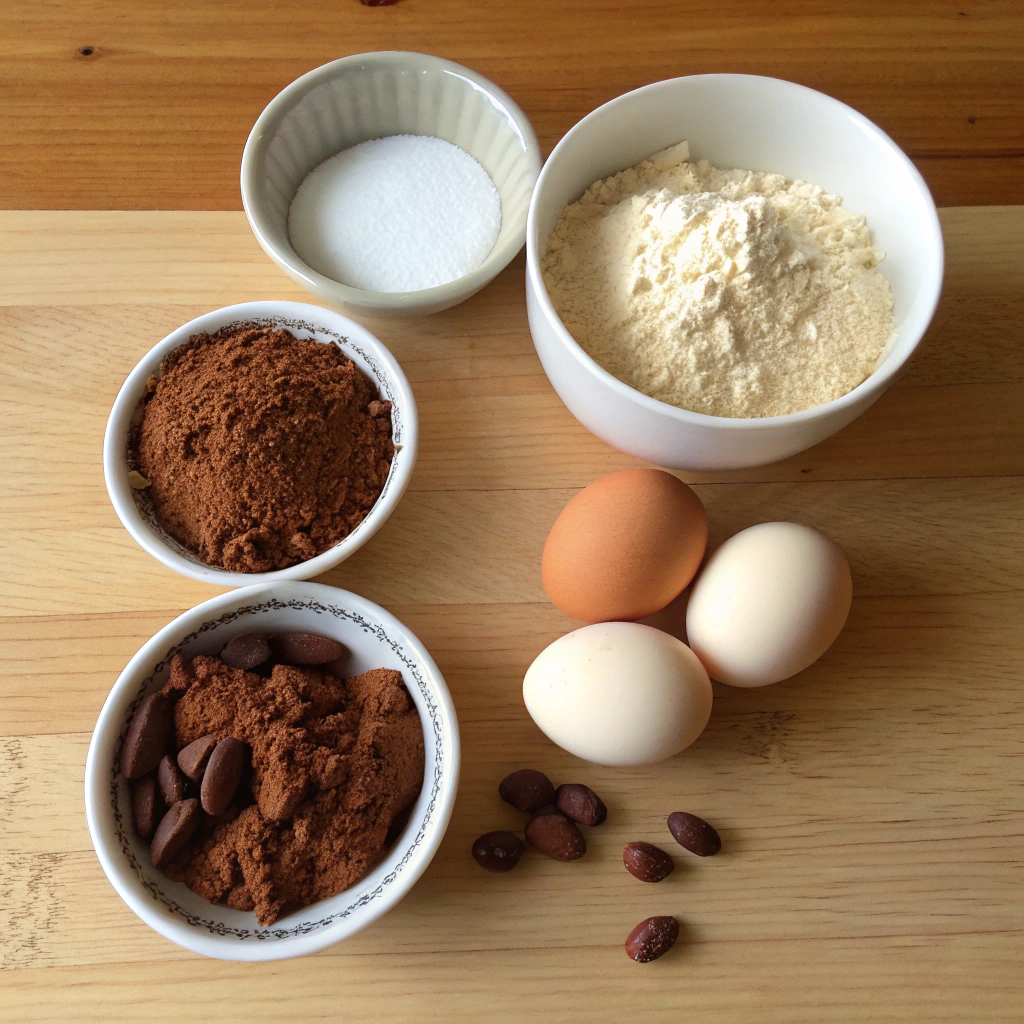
(223, 773)
(147, 736)
(144, 805)
(580, 803)
(170, 780)
(694, 834)
(527, 790)
(246, 652)
(498, 851)
(192, 759)
(647, 862)
(557, 837)
(652, 938)
(175, 829)
(306, 648)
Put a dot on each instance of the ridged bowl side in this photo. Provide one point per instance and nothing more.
(369, 97)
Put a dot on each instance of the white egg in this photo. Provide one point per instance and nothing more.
(770, 602)
(619, 693)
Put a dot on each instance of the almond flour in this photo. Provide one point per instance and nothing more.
(727, 292)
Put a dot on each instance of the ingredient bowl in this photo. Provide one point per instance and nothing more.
(376, 639)
(368, 96)
(304, 321)
(753, 123)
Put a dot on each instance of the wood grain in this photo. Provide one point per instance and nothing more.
(872, 808)
(149, 106)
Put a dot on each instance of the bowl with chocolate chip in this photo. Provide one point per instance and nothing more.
(263, 441)
(272, 771)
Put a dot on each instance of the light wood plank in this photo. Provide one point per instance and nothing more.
(872, 807)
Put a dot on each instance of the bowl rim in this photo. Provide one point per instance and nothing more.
(290, 96)
(391, 380)
(199, 936)
(876, 382)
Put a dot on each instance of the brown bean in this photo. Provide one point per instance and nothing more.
(147, 736)
(246, 652)
(170, 780)
(307, 648)
(647, 862)
(652, 938)
(557, 837)
(694, 834)
(527, 790)
(498, 851)
(222, 775)
(192, 759)
(176, 828)
(580, 803)
(144, 809)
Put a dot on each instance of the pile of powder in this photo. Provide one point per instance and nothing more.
(335, 763)
(396, 214)
(727, 292)
(261, 449)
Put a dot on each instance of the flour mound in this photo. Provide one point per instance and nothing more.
(728, 292)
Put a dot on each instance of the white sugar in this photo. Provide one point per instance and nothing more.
(396, 214)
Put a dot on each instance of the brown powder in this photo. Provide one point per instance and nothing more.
(261, 449)
(335, 763)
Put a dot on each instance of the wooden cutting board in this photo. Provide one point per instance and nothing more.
(871, 809)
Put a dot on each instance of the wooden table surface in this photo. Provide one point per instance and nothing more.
(872, 808)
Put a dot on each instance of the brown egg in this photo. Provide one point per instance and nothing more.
(625, 546)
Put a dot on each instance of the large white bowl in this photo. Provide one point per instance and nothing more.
(757, 124)
(304, 321)
(368, 96)
(376, 640)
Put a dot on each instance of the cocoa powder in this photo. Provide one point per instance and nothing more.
(261, 449)
(335, 764)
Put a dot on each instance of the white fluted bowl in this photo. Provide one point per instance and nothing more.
(370, 96)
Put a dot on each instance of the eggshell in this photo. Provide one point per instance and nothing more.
(619, 694)
(770, 602)
(625, 546)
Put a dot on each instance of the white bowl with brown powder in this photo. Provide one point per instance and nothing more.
(733, 300)
(260, 442)
(375, 639)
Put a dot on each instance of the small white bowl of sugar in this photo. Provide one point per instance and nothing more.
(392, 184)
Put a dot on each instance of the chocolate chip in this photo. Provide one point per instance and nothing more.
(223, 773)
(192, 759)
(647, 862)
(580, 803)
(246, 652)
(170, 780)
(527, 790)
(144, 805)
(176, 828)
(498, 851)
(652, 938)
(556, 836)
(306, 648)
(147, 736)
(694, 834)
